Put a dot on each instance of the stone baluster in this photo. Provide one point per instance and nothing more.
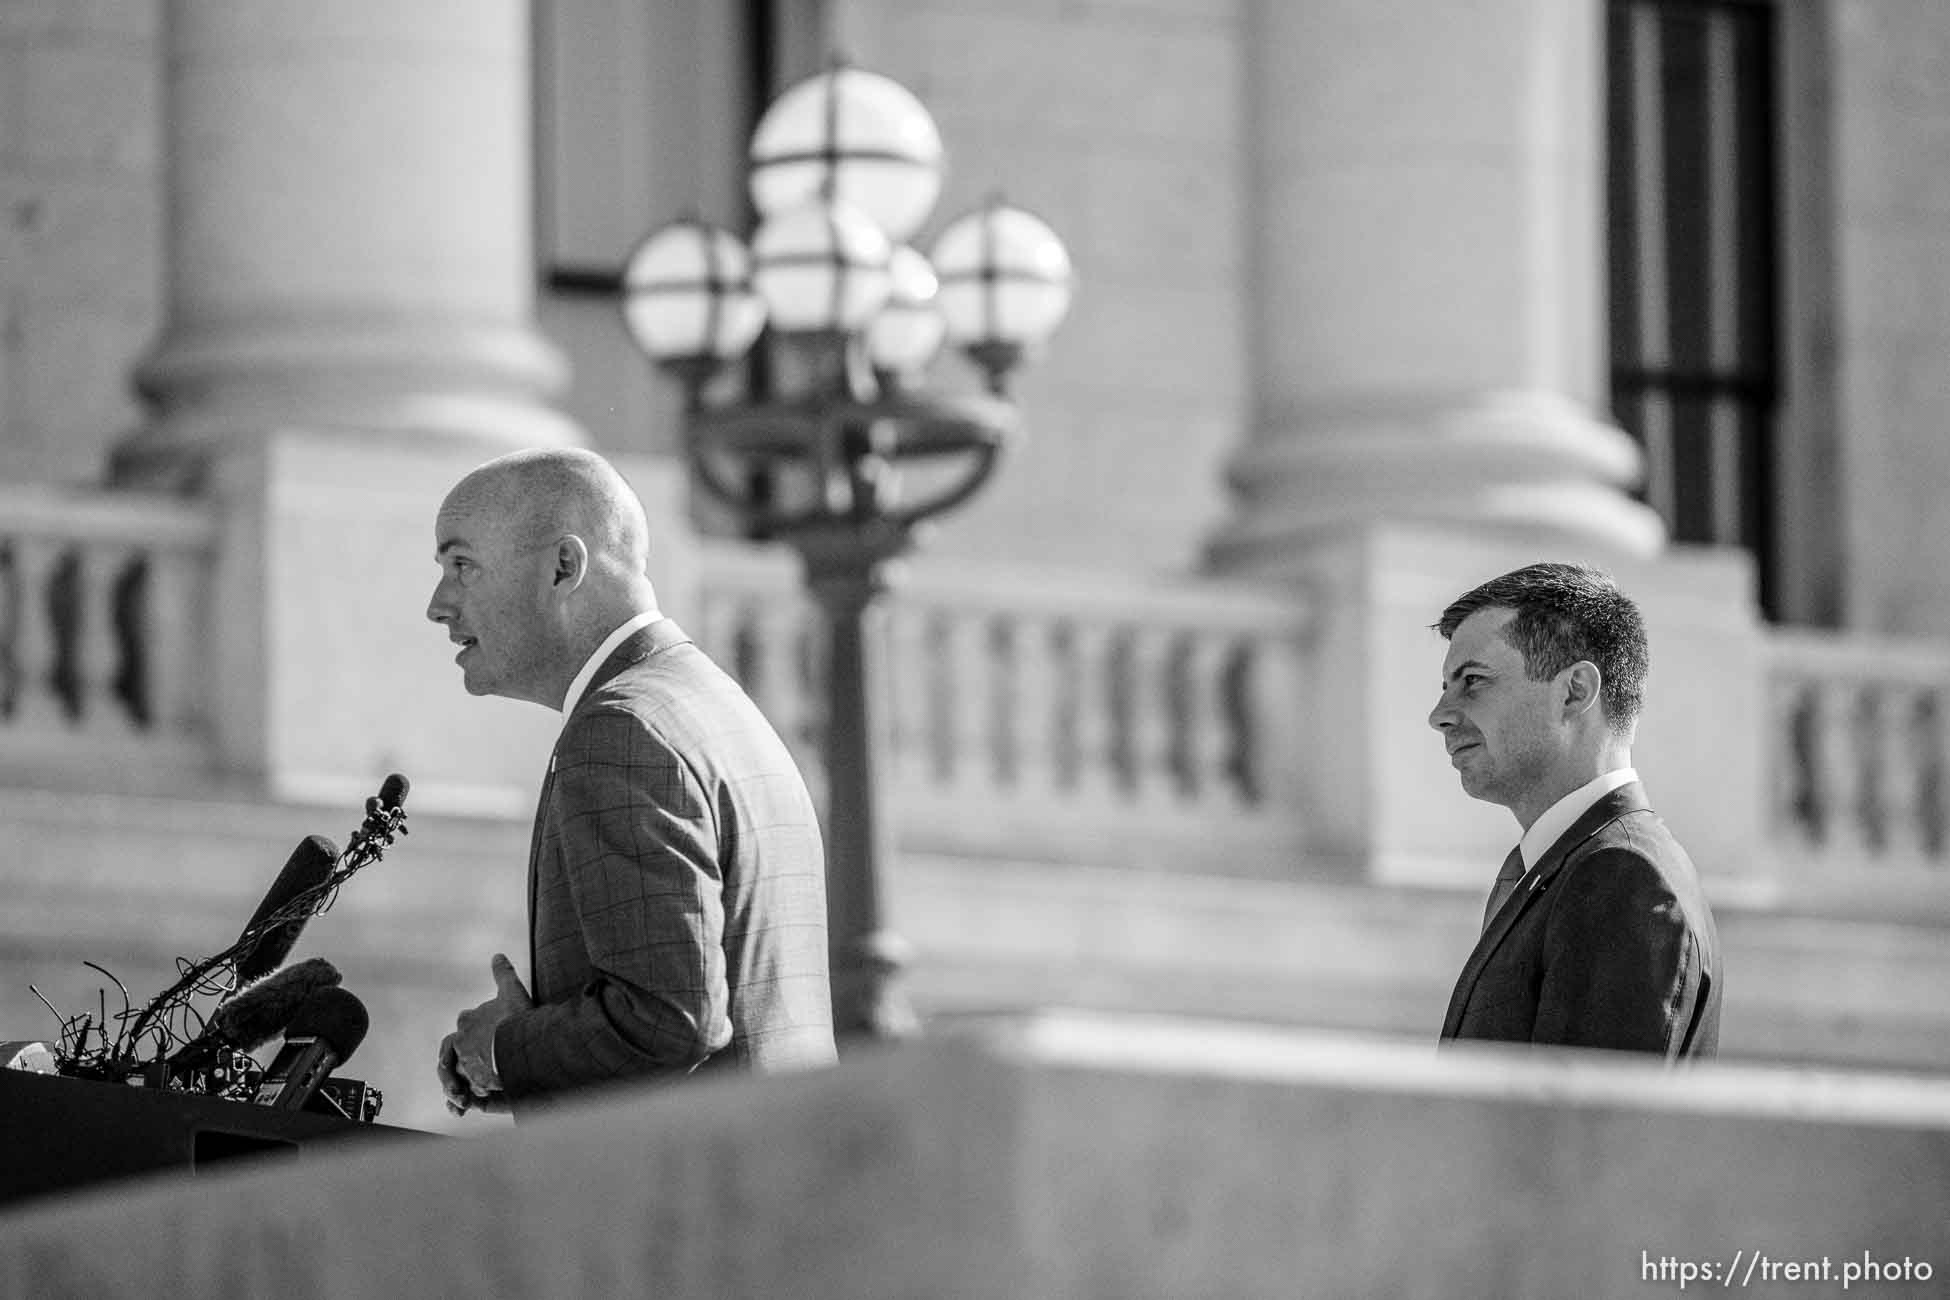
(1208, 744)
(911, 692)
(972, 690)
(10, 607)
(1149, 717)
(1838, 770)
(98, 654)
(1796, 784)
(1032, 695)
(169, 621)
(1268, 708)
(36, 649)
(1932, 750)
(1864, 742)
(1901, 774)
(1093, 729)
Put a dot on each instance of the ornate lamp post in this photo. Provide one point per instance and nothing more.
(848, 455)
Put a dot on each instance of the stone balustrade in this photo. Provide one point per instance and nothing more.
(103, 625)
(1095, 718)
(1049, 711)
(1859, 753)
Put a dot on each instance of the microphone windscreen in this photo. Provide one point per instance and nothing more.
(308, 867)
(334, 1017)
(260, 1012)
(392, 791)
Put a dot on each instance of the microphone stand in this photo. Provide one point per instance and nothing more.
(365, 846)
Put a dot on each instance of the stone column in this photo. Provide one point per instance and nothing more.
(1429, 352)
(1428, 326)
(349, 247)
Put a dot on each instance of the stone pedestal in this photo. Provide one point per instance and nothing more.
(349, 244)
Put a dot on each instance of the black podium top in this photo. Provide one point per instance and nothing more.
(58, 1134)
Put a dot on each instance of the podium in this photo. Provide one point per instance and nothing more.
(58, 1134)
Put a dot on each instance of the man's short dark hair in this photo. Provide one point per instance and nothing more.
(1567, 612)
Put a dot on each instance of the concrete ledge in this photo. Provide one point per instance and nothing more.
(1073, 1156)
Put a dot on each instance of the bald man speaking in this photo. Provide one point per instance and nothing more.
(676, 880)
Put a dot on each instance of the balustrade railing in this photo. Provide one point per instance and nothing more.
(1139, 720)
(1860, 750)
(1035, 711)
(102, 619)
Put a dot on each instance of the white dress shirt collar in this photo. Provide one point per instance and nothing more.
(1557, 818)
(581, 681)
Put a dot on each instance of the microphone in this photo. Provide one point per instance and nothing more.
(256, 1014)
(323, 1035)
(392, 791)
(308, 867)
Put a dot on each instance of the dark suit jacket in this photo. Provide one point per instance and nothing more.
(1606, 942)
(677, 888)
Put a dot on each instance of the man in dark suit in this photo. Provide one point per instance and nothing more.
(1596, 933)
(676, 887)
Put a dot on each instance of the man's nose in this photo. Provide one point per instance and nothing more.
(1443, 715)
(438, 608)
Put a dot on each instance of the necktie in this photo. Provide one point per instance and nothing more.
(1507, 877)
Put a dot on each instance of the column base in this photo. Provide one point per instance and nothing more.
(1521, 466)
(478, 389)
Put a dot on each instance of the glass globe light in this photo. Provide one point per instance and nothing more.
(820, 266)
(908, 331)
(688, 295)
(856, 136)
(1006, 279)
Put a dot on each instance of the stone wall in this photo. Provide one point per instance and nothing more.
(1071, 1158)
(1122, 126)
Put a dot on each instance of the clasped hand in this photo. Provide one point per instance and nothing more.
(466, 1063)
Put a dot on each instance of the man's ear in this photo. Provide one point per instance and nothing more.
(571, 563)
(1582, 683)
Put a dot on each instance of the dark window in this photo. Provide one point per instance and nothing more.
(642, 113)
(1691, 186)
(643, 110)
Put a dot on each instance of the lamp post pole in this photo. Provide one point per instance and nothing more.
(852, 317)
(847, 577)
(835, 451)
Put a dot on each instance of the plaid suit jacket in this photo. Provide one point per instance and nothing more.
(1606, 942)
(677, 888)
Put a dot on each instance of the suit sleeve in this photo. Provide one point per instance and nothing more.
(641, 853)
(1619, 958)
